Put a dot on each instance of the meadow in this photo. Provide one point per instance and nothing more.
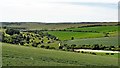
(15, 55)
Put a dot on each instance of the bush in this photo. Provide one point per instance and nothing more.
(72, 38)
(51, 47)
(60, 47)
(112, 53)
(82, 51)
(107, 53)
(47, 47)
(34, 44)
(48, 42)
(42, 46)
(12, 31)
(93, 53)
(22, 43)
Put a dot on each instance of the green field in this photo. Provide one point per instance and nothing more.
(64, 35)
(106, 41)
(100, 32)
(97, 28)
(15, 55)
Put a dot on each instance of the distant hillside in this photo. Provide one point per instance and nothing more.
(53, 26)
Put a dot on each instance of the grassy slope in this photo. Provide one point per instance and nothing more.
(14, 55)
(108, 41)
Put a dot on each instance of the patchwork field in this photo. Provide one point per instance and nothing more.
(15, 55)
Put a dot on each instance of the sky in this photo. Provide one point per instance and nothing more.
(58, 11)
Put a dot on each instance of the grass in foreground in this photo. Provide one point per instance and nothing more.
(15, 55)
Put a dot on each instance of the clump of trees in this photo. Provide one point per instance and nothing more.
(12, 31)
(30, 38)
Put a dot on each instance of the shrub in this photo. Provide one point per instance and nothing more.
(42, 46)
(60, 47)
(48, 42)
(112, 53)
(12, 31)
(46, 47)
(22, 43)
(72, 38)
(51, 47)
(82, 51)
(107, 53)
(34, 44)
(93, 53)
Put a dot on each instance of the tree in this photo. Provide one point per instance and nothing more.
(42, 46)
(73, 46)
(47, 47)
(60, 47)
(48, 42)
(42, 41)
(28, 38)
(51, 47)
(65, 45)
(3, 36)
(34, 44)
(106, 34)
(96, 47)
(72, 38)
(22, 43)
(12, 31)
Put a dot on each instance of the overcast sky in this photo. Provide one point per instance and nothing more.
(58, 10)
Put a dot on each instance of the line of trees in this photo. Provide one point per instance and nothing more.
(93, 47)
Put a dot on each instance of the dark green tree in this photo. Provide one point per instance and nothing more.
(12, 31)
(72, 38)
